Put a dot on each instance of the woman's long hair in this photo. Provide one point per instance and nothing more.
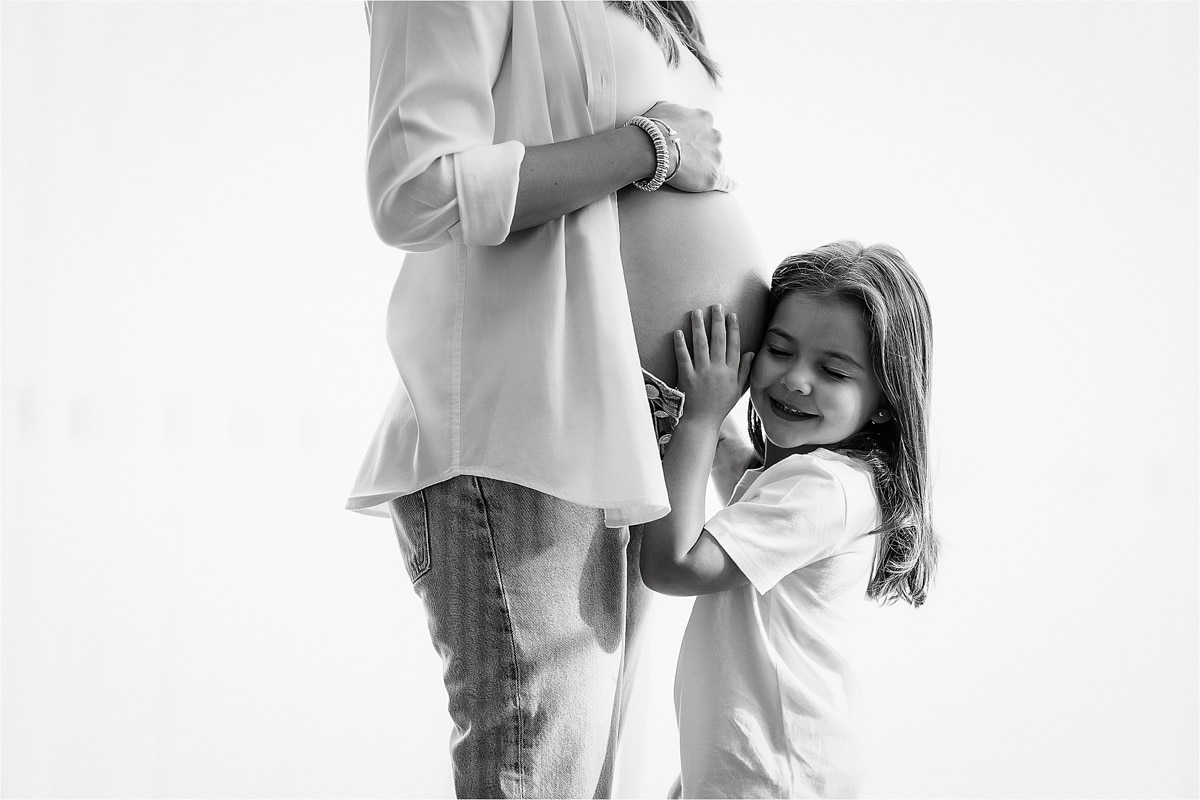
(896, 312)
(671, 23)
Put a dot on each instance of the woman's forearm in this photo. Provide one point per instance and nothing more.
(559, 178)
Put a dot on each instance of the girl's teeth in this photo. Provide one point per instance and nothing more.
(791, 410)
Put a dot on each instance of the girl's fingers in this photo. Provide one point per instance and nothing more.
(744, 369)
(699, 338)
(683, 359)
(733, 345)
(717, 337)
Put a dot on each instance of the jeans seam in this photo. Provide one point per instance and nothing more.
(419, 562)
(512, 640)
(427, 563)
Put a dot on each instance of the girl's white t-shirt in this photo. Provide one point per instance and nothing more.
(766, 702)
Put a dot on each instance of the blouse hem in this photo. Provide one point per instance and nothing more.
(617, 513)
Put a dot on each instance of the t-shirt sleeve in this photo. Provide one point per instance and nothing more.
(799, 511)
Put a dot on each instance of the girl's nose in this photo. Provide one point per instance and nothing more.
(796, 381)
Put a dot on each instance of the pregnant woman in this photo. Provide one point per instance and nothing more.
(530, 323)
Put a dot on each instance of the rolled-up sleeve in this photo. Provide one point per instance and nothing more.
(434, 173)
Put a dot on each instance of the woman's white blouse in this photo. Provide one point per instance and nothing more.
(516, 353)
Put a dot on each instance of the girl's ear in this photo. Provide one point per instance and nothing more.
(882, 414)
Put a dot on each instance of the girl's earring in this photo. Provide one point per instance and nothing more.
(881, 416)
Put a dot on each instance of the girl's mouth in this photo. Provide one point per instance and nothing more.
(788, 412)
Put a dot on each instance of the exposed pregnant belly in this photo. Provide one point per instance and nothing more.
(683, 251)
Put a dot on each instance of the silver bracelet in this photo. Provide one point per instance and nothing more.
(673, 138)
(662, 156)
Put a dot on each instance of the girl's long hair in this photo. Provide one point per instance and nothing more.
(896, 312)
(671, 23)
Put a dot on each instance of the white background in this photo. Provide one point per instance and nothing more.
(193, 362)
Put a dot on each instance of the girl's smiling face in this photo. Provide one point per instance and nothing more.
(812, 383)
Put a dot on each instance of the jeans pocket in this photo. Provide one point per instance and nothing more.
(411, 518)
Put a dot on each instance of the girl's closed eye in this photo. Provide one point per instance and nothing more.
(837, 376)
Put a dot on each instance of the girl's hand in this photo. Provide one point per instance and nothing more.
(714, 376)
(701, 169)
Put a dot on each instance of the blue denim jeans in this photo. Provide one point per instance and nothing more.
(535, 608)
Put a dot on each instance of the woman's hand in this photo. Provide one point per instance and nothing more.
(701, 169)
(562, 177)
(714, 376)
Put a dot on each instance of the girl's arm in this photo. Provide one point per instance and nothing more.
(678, 556)
(734, 455)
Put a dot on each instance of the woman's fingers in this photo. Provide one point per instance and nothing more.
(701, 166)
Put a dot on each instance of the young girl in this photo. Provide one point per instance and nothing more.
(838, 511)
